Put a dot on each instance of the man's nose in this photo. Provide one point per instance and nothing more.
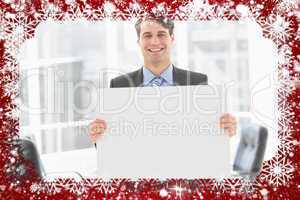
(155, 40)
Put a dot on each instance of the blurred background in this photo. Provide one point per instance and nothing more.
(66, 62)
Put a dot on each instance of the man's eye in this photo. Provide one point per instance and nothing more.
(161, 35)
(147, 36)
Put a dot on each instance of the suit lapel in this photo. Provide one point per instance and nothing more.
(138, 78)
(179, 77)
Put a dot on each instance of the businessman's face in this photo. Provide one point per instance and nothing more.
(155, 42)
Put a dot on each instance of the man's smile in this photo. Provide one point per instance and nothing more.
(155, 50)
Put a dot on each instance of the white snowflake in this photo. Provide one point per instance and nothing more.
(106, 187)
(287, 5)
(254, 10)
(133, 11)
(71, 185)
(12, 51)
(224, 12)
(278, 171)
(109, 9)
(248, 186)
(286, 141)
(284, 113)
(10, 70)
(179, 14)
(285, 55)
(190, 10)
(44, 186)
(17, 29)
(73, 13)
(92, 182)
(277, 28)
(39, 16)
(284, 84)
(233, 185)
(101, 185)
(120, 2)
(219, 185)
(13, 114)
(203, 10)
(52, 11)
(162, 9)
(21, 27)
(197, 10)
(11, 89)
(35, 187)
(5, 78)
(245, 185)
(93, 14)
(238, 186)
(197, 184)
(243, 11)
(51, 188)
(4, 25)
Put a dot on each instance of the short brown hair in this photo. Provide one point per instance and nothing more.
(165, 22)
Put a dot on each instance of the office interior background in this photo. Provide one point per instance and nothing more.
(63, 54)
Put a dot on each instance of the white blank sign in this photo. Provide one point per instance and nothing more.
(162, 132)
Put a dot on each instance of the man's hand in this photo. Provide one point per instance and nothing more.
(96, 129)
(228, 123)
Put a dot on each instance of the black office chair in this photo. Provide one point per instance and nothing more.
(251, 149)
(29, 166)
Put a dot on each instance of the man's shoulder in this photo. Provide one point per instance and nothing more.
(181, 77)
(191, 73)
(186, 77)
(130, 79)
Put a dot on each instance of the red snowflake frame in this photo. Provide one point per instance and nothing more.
(279, 20)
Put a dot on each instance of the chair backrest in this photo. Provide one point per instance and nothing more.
(251, 149)
(29, 166)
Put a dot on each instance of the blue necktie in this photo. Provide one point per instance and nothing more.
(157, 81)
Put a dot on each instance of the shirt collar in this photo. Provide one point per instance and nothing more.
(167, 75)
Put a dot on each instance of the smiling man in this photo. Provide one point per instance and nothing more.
(155, 39)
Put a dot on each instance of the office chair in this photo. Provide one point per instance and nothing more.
(30, 167)
(251, 149)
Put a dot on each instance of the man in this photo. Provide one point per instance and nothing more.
(155, 39)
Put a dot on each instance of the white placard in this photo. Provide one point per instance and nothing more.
(163, 132)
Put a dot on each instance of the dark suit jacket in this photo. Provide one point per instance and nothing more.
(180, 77)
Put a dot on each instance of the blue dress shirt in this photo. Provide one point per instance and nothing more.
(166, 76)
